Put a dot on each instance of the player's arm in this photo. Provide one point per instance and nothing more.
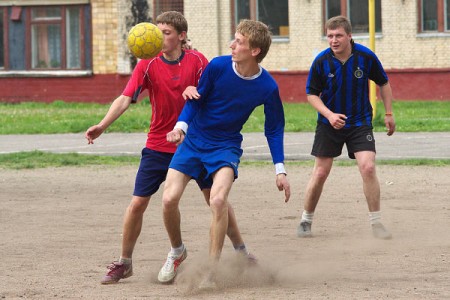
(337, 121)
(386, 96)
(274, 132)
(117, 108)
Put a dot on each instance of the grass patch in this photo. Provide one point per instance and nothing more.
(62, 117)
(39, 159)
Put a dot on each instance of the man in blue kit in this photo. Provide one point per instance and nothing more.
(230, 88)
(337, 87)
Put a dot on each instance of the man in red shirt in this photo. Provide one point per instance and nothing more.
(165, 77)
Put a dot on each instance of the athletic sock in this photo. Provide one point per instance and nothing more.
(241, 248)
(307, 216)
(177, 251)
(374, 217)
(125, 261)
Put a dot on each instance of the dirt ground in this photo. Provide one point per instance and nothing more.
(61, 227)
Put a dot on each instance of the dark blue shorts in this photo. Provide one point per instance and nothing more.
(200, 160)
(153, 171)
(328, 142)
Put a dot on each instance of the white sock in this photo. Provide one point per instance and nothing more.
(374, 217)
(125, 261)
(307, 216)
(177, 251)
(241, 248)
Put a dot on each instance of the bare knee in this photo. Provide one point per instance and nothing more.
(367, 170)
(138, 205)
(321, 174)
(218, 205)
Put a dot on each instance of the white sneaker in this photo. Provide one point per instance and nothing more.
(380, 232)
(169, 270)
(304, 229)
(208, 283)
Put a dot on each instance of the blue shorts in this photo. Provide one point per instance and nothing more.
(153, 171)
(201, 160)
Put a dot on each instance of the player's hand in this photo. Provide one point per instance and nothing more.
(191, 93)
(175, 136)
(337, 121)
(390, 124)
(92, 133)
(283, 184)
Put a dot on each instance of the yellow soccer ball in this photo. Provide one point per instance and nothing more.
(145, 40)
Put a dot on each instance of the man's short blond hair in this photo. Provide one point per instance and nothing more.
(258, 34)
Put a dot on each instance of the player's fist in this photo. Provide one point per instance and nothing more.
(175, 136)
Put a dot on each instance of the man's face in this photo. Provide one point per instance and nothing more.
(240, 48)
(172, 40)
(339, 40)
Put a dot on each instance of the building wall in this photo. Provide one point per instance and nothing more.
(418, 65)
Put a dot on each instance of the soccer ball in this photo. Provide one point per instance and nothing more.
(145, 40)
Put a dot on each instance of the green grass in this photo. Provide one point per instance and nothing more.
(61, 117)
(39, 159)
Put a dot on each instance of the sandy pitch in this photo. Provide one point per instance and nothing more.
(61, 227)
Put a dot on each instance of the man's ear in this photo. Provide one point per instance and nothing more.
(182, 36)
(256, 51)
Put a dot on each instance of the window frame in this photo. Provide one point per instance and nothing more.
(62, 22)
(253, 6)
(4, 37)
(441, 18)
(345, 11)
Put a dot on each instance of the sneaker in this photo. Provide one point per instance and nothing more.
(116, 272)
(380, 232)
(208, 283)
(251, 259)
(304, 229)
(169, 270)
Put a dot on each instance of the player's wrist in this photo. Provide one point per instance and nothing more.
(279, 169)
(388, 114)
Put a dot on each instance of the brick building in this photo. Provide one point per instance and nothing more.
(74, 50)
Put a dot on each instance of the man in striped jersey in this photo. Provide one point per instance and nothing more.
(337, 87)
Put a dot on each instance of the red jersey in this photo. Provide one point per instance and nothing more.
(165, 81)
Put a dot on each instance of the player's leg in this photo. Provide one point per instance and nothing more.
(371, 188)
(222, 182)
(132, 224)
(328, 144)
(173, 189)
(321, 170)
(233, 232)
(151, 173)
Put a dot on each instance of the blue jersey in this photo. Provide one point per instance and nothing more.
(226, 102)
(344, 87)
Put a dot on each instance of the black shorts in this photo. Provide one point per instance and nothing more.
(328, 142)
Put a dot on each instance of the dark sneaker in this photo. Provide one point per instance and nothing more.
(304, 229)
(380, 232)
(116, 272)
(169, 270)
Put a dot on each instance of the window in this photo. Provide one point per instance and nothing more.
(274, 13)
(55, 34)
(167, 5)
(2, 39)
(357, 11)
(434, 15)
